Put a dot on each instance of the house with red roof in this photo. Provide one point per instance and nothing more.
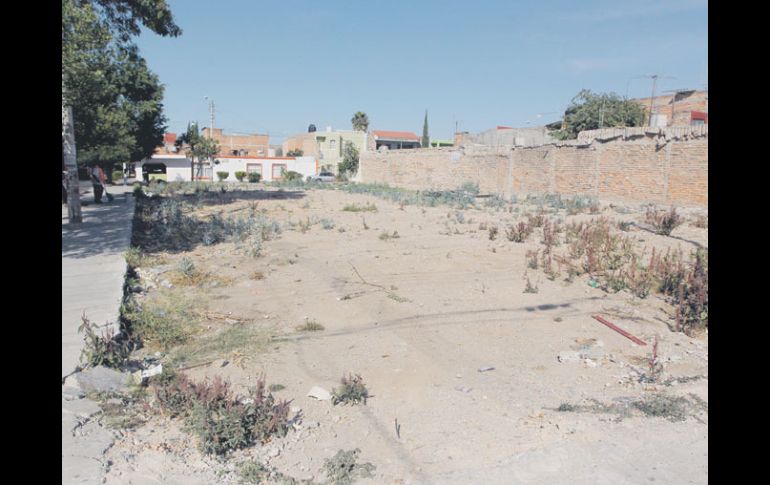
(393, 140)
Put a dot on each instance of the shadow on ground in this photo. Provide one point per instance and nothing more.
(103, 230)
(214, 197)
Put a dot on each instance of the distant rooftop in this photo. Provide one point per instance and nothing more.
(395, 135)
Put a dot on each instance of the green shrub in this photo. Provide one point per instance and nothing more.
(291, 176)
(107, 349)
(222, 422)
(165, 320)
(663, 222)
(343, 469)
(222, 175)
(240, 175)
(352, 391)
(356, 208)
(255, 177)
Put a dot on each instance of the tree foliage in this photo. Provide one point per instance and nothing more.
(294, 153)
(349, 164)
(360, 121)
(116, 100)
(196, 147)
(425, 138)
(591, 111)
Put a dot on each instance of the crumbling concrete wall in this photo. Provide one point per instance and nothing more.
(648, 166)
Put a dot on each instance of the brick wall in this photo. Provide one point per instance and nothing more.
(642, 169)
(252, 145)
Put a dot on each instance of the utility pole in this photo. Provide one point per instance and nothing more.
(601, 113)
(211, 117)
(211, 136)
(652, 98)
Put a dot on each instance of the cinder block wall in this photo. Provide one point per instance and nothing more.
(631, 171)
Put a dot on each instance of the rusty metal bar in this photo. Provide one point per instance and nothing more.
(620, 330)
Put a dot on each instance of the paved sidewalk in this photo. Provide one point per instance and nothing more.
(93, 269)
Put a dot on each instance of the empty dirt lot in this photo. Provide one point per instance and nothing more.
(471, 379)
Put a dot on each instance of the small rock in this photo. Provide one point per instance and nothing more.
(312, 424)
(224, 363)
(166, 284)
(231, 321)
(463, 389)
(590, 363)
(319, 393)
(485, 369)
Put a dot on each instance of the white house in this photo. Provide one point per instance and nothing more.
(269, 167)
(177, 167)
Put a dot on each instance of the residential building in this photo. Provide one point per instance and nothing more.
(327, 146)
(270, 168)
(684, 107)
(176, 167)
(393, 140)
(441, 143)
(506, 136)
(252, 145)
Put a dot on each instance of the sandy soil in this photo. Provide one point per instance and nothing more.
(417, 316)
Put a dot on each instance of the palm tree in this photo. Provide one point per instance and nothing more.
(360, 121)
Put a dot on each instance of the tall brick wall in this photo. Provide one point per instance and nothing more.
(649, 169)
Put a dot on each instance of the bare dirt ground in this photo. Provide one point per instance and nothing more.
(418, 316)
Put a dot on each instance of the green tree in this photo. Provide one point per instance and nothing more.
(425, 138)
(121, 119)
(97, 61)
(590, 111)
(196, 147)
(349, 164)
(360, 121)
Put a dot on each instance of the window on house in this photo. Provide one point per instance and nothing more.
(254, 168)
(278, 169)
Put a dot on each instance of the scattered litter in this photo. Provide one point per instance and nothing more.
(619, 330)
(154, 371)
(224, 363)
(231, 321)
(485, 369)
(568, 356)
(319, 393)
(593, 283)
(463, 389)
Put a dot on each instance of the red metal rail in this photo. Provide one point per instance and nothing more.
(620, 330)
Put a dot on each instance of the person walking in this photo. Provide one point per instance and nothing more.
(64, 187)
(97, 182)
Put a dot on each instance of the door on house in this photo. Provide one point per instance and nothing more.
(278, 169)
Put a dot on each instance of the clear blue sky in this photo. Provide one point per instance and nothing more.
(278, 65)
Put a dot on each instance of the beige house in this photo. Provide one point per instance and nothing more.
(326, 146)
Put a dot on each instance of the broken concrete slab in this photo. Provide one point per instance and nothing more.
(103, 379)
